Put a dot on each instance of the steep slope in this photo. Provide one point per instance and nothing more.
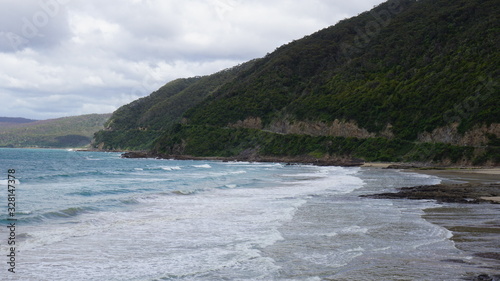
(374, 86)
(76, 131)
(136, 125)
(406, 66)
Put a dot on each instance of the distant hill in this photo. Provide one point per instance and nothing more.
(76, 131)
(407, 81)
(8, 122)
(16, 120)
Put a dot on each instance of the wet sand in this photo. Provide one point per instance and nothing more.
(467, 175)
(470, 175)
(475, 227)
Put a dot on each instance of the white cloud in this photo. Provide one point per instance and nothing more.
(68, 57)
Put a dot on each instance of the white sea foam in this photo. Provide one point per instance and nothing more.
(171, 168)
(354, 230)
(205, 166)
(266, 221)
(93, 159)
(239, 163)
(219, 231)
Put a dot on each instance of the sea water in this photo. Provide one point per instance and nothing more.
(96, 216)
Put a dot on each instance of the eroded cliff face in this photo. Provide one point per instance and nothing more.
(249, 123)
(478, 136)
(336, 128)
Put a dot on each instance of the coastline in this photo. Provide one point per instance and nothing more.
(344, 162)
(459, 184)
(482, 174)
(450, 174)
(469, 216)
(452, 216)
(470, 175)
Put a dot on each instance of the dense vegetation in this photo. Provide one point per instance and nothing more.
(413, 66)
(136, 125)
(412, 73)
(238, 142)
(76, 131)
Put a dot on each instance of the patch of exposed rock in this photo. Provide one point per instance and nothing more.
(477, 136)
(248, 123)
(336, 128)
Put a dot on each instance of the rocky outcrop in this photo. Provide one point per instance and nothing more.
(248, 123)
(478, 136)
(138, 154)
(336, 128)
(453, 193)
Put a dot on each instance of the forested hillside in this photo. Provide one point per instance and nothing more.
(138, 124)
(408, 80)
(76, 131)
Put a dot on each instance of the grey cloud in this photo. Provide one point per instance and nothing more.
(33, 24)
(90, 56)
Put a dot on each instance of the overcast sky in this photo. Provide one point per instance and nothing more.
(71, 57)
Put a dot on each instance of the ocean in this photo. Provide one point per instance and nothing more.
(95, 216)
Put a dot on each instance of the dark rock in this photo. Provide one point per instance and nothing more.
(137, 154)
(486, 277)
(456, 261)
(452, 193)
(495, 256)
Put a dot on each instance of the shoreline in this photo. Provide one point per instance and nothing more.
(452, 173)
(480, 184)
(449, 174)
(468, 175)
(466, 230)
(343, 162)
(466, 213)
(458, 184)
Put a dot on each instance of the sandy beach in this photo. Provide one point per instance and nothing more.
(453, 175)
(471, 175)
(475, 227)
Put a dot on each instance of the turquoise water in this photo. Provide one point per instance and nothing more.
(96, 216)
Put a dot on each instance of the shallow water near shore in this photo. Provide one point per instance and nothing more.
(95, 216)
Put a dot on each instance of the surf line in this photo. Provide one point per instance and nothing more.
(11, 219)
